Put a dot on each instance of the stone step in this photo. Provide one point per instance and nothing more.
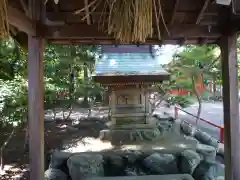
(152, 177)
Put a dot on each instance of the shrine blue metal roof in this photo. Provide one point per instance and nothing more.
(128, 63)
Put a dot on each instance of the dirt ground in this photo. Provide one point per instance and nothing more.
(59, 134)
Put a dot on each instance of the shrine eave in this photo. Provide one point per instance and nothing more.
(151, 78)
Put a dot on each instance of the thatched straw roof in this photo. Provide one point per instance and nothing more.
(125, 21)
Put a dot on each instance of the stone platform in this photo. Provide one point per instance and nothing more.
(130, 133)
(152, 177)
(129, 165)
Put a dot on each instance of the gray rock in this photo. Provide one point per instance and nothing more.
(130, 172)
(192, 139)
(176, 128)
(220, 178)
(205, 138)
(105, 134)
(207, 171)
(213, 142)
(55, 174)
(72, 129)
(220, 149)
(186, 128)
(189, 161)
(161, 164)
(59, 161)
(151, 135)
(208, 153)
(131, 156)
(85, 165)
(113, 165)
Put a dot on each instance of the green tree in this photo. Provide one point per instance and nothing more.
(189, 64)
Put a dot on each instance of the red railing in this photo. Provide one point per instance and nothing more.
(179, 91)
(221, 128)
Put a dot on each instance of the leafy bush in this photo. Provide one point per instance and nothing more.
(13, 101)
(182, 100)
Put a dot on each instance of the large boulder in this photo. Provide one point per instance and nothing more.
(114, 165)
(55, 174)
(206, 138)
(187, 129)
(208, 171)
(85, 165)
(161, 164)
(189, 160)
(59, 161)
(208, 153)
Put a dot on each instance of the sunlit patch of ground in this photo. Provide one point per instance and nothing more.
(89, 144)
(11, 172)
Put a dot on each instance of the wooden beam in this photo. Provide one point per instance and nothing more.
(20, 21)
(24, 6)
(84, 31)
(174, 12)
(228, 47)
(200, 15)
(71, 17)
(35, 108)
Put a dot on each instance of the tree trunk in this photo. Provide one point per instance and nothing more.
(85, 74)
(214, 88)
(195, 92)
(71, 79)
(3, 148)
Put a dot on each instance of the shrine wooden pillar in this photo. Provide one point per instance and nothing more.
(35, 108)
(35, 94)
(228, 47)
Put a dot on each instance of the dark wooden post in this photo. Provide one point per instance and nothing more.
(35, 93)
(35, 108)
(228, 47)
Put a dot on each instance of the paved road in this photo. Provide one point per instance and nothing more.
(211, 111)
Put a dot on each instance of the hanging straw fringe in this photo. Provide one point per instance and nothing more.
(4, 27)
(129, 20)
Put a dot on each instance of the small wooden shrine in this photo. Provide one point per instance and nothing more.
(128, 71)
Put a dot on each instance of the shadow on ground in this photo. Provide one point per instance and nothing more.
(60, 134)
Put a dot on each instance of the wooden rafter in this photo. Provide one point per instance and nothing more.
(87, 12)
(84, 31)
(69, 16)
(20, 20)
(174, 11)
(24, 6)
(201, 13)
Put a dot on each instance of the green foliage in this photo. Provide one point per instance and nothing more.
(64, 67)
(193, 61)
(183, 101)
(13, 101)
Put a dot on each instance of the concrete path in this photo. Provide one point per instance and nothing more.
(211, 111)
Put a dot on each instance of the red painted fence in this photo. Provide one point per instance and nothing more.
(221, 128)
